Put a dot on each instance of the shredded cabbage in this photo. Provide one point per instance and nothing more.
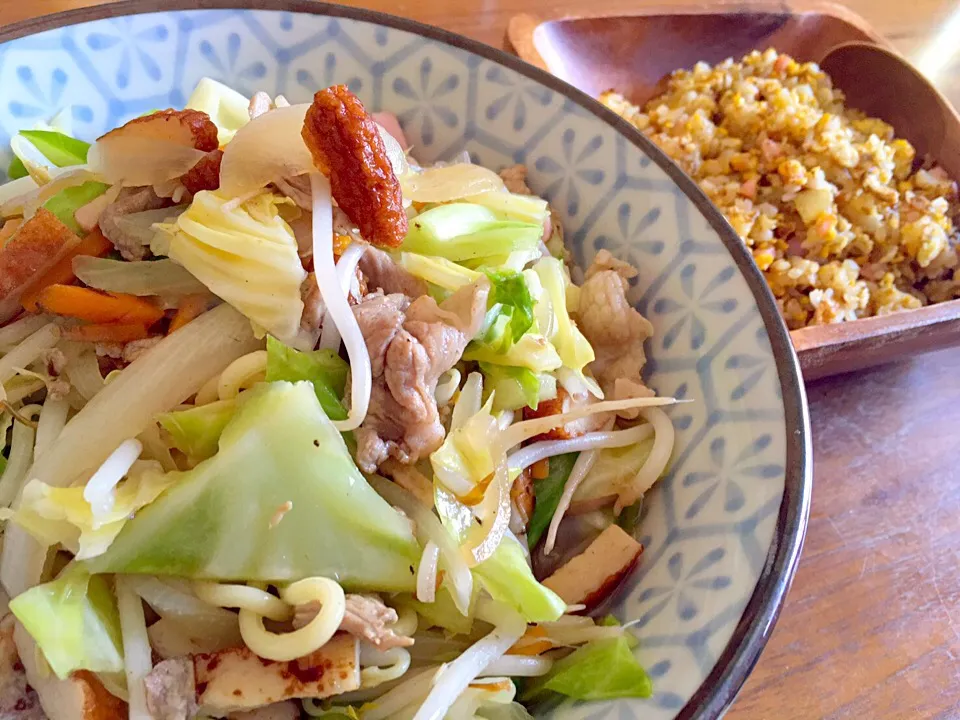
(573, 348)
(246, 255)
(465, 459)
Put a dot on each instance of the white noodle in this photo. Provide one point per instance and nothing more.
(518, 666)
(581, 467)
(53, 418)
(338, 309)
(209, 391)
(346, 274)
(243, 597)
(406, 624)
(656, 463)
(532, 454)
(303, 641)
(381, 666)
(427, 573)
(136, 648)
(28, 351)
(505, 420)
(21, 456)
(242, 373)
(509, 626)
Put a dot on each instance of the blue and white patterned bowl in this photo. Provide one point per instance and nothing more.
(723, 531)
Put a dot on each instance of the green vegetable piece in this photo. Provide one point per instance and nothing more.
(514, 387)
(62, 150)
(66, 202)
(507, 577)
(196, 432)
(281, 500)
(326, 370)
(510, 290)
(461, 231)
(548, 492)
(17, 169)
(443, 613)
(511, 206)
(74, 620)
(600, 670)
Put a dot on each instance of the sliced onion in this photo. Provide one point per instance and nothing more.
(517, 433)
(82, 369)
(61, 179)
(98, 492)
(163, 278)
(412, 690)
(656, 463)
(134, 160)
(338, 309)
(495, 510)
(531, 454)
(455, 677)
(427, 573)
(264, 150)
(13, 193)
(346, 273)
(449, 182)
(396, 153)
(429, 529)
(176, 602)
(139, 225)
(447, 386)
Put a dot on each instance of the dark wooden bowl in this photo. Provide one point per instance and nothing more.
(635, 53)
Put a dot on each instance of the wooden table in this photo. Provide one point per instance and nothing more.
(871, 628)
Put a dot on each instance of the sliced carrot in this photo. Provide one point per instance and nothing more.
(108, 332)
(96, 306)
(540, 470)
(190, 307)
(62, 272)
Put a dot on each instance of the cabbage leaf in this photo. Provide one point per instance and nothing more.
(74, 620)
(462, 231)
(326, 370)
(574, 349)
(281, 500)
(228, 109)
(196, 432)
(603, 669)
(66, 202)
(246, 255)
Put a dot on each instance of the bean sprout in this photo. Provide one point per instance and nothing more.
(52, 420)
(518, 666)
(427, 573)
(338, 309)
(447, 386)
(98, 491)
(21, 456)
(532, 454)
(136, 648)
(381, 666)
(346, 273)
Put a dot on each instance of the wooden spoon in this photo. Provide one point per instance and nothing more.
(882, 84)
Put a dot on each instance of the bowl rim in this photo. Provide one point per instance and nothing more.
(719, 689)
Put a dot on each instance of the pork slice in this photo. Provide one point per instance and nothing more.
(130, 200)
(367, 617)
(615, 330)
(410, 346)
(382, 273)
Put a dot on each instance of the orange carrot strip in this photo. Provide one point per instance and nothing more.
(96, 306)
(190, 308)
(122, 333)
(540, 470)
(62, 273)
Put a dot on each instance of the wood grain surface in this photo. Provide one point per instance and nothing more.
(871, 629)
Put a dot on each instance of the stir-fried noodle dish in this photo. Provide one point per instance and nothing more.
(295, 426)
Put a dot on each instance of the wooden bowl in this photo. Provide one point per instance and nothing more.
(635, 53)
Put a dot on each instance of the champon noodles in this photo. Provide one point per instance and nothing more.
(296, 426)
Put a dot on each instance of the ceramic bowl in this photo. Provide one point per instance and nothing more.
(723, 530)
